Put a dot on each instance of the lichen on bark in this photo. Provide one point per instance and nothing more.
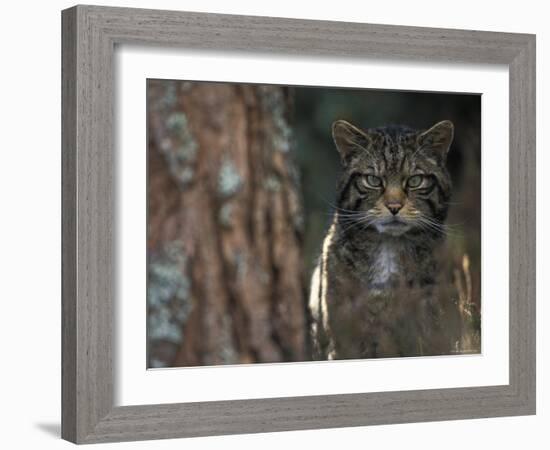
(221, 182)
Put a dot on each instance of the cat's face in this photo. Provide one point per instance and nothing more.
(395, 180)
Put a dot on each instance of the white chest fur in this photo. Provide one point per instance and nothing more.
(385, 264)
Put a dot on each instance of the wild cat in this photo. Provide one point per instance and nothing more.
(372, 292)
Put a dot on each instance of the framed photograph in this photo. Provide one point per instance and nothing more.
(278, 224)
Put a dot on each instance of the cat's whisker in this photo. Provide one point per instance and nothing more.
(338, 208)
(356, 214)
(444, 229)
(427, 223)
(357, 220)
(429, 226)
(364, 222)
(431, 223)
(446, 225)
(438, 224)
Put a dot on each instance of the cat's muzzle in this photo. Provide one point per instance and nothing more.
(393, 226)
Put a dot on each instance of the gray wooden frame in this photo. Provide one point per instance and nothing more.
(89, 36)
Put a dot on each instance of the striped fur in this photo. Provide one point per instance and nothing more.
(383, 233)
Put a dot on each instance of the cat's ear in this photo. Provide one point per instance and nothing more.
(349, 140)
(435, 142)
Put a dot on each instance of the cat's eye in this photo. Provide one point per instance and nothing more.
(372, 181)
(415, 181)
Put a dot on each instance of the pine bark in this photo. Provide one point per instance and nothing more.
(224, 234)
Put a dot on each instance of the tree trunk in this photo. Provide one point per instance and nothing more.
(225, 277)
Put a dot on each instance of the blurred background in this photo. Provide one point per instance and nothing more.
(240, 183)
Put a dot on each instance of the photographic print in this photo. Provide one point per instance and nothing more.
(311, 233)
(290, 224)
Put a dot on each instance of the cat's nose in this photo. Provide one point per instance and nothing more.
(394, 208)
